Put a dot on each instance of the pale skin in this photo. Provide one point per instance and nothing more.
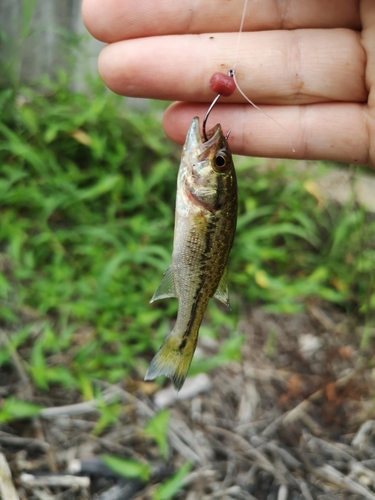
(310, 64)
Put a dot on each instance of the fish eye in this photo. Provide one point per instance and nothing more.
(222, 161)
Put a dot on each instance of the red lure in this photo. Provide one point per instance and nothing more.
(222, 84)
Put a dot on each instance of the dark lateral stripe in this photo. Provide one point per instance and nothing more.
(203, 276)
(193, 314)
(183, 344)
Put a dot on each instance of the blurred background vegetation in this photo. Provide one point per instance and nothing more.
(87, 192)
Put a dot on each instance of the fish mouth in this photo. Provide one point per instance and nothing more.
(195, 140)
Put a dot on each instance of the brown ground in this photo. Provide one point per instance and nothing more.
(294, 420)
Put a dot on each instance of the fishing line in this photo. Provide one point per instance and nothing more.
(232, 73)
(239, 36)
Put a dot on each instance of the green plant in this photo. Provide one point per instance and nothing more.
(157, 429)
(169, 488)
(13, 409)
(85, 225)
(109, 414)
(126, 467)
(289, 248)
(87, 192)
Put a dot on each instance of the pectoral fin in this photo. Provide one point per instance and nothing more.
(166, 288)
(222, 290)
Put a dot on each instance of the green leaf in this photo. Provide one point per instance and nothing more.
(172, 486)
(103, 186)
(157, 429)
(38, 367)
(13, 409)
(108, 416)
(127, 467)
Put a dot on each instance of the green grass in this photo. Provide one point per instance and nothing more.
(289, 248)
(87, 191)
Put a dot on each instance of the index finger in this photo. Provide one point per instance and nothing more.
(115, 20)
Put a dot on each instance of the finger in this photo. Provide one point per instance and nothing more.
(368, 41)
(332, 131)
(301, 66)
(115, 20)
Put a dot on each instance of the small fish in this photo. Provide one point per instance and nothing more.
(205, 224)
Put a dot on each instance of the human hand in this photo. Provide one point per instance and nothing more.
(308, 64)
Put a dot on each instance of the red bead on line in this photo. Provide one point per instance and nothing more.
(222, 84)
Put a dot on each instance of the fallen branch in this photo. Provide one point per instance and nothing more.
(85, 407)
(363, 432)
(54, 481)
(22, 442)
(334, 476)
(193, 386)
(7, 489)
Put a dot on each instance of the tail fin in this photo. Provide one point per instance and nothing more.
(172, 360)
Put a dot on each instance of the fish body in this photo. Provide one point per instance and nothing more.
(205, 223)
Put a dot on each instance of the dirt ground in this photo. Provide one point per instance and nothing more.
(295, 419)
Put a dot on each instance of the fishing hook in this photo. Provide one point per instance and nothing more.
(207, 115)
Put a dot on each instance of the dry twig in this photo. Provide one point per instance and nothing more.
(7, 489)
